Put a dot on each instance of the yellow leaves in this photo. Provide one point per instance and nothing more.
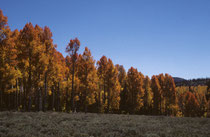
(76, 98)
(10, 74)
(72, 48)
(40, 83)
(135, 89)
(11, 90)
(49, 92)
(3, 20)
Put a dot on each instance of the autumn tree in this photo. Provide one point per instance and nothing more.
(8, 54)
(124, 91)
(147, 99)
(33, 61)
(121, 75)
(87, 75)
(40, 65)
(163, 90)
(48, 51)
(72, 49)
(181, 102)
(208, 91)
(56, 80)
(135, 90)
(208, 109)
(191, 107)
(124, 106)
(113, 87)
(27, 41)
(170, 97)
(68, 74)
(35, 76)
(156, 89)
(201, 98)
(68, 83)
(102, 67)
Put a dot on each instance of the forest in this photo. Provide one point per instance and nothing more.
(34, 76)
(192, 82)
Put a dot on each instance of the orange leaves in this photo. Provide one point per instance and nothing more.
(3, 20)
(47, 33)
(121, 75)
(8, 52)
(29, 59)
(135, 90)
(108, 77)
(59, 67)
(28, 34)
(72, 48)
(88, 78)
(164, 91)
(191, 105)
(113, 85)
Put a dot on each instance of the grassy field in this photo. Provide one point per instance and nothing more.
(49, 124)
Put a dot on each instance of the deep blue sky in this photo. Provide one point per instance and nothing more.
(155, 36)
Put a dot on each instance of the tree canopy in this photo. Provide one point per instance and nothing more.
(35, 76)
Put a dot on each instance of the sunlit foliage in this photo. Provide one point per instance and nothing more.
(34, 76)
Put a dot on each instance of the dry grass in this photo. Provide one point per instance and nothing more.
(30, 124)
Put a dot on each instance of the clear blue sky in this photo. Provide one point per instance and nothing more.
(155, 36)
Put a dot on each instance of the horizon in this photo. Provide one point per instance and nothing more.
(154, 37)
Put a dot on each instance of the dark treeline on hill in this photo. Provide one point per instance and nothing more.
(191, 82)
(34, 76)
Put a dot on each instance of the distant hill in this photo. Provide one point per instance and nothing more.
(177, 79)
(192, 82)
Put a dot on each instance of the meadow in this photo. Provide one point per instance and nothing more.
(56, 124)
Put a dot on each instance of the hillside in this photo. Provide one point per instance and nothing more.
(177, 79)
(191, 82)
(53, 124)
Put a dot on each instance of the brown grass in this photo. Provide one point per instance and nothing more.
(50, 124)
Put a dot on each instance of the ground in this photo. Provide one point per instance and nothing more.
(54, 124)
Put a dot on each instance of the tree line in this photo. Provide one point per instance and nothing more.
(34, 76)
(193, 82)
